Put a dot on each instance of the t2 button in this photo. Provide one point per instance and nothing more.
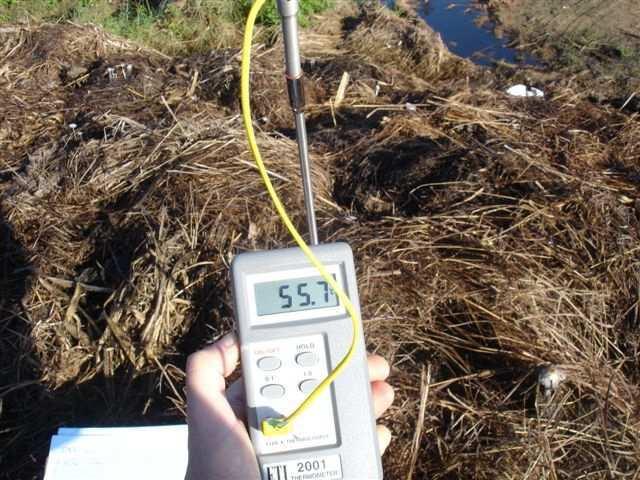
(307, 386)
(306, 359)
(269, 364)
(272, 391)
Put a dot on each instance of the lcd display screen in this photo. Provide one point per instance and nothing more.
(294, 295)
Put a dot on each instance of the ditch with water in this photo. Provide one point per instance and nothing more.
(468, 32)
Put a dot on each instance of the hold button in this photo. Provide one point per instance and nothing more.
(306, 359)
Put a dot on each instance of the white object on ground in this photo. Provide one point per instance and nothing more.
(123, 453)
(550, 378)
(524, 91)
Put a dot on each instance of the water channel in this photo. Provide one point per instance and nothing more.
(467, 32)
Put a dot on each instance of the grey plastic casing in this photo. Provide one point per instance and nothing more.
(357, 441)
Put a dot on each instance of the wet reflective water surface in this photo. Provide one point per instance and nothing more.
(467, 32)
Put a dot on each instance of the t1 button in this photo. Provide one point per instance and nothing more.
(268, 364)
(307, 386)
(272, 391)
(306, 359)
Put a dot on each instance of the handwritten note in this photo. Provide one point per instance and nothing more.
(123, 453)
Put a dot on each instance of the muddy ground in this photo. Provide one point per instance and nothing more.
(597, 41)
(495, 238)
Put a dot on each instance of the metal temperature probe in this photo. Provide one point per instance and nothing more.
(310, 412)
(293, 68)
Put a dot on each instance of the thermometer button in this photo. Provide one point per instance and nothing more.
(307, 386)
(268, 364)
(272, 391)
(306, 359)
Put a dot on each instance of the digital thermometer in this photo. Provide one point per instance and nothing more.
(294, 331)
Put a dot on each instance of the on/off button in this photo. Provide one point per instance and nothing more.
(269, 364)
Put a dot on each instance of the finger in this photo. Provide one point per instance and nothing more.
(206, 372)
(207, 369)
(383, 395)
(384, 437)
(378, 368)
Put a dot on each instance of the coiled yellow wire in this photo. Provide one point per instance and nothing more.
(281, 426)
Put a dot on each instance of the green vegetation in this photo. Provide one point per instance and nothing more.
(269, 15)
(181, 26)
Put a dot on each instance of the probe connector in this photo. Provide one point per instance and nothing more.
(272, 427)
(295, 86)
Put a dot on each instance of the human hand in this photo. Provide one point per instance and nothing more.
(219, 444)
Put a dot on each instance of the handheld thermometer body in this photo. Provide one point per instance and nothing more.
(293, 332)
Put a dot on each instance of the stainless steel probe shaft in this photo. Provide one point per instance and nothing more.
(289, 13)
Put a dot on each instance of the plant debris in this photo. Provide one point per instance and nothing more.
(494, 237)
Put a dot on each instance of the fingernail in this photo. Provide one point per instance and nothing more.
(387, 368)
(385, 444)
(384, 436)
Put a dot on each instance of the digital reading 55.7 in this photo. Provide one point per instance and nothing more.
(294, 295)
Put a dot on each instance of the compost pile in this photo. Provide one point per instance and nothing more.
(496, 240)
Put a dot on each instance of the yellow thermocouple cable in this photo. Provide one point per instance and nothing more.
(281, 426)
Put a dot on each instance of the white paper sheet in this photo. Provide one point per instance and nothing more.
(123, 453)
(161, 429)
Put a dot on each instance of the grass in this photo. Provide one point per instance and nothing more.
(590, 49)
(179, 27)
(270, 16)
